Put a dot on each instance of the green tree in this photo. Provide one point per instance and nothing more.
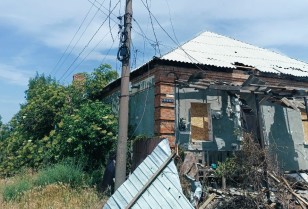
(89, 133)
(59, 121)
(97, 80)
(45, 100)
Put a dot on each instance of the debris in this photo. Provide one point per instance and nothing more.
(196, 190)
(292, 191)
(273, 177)
(189, 165)
(211, 197)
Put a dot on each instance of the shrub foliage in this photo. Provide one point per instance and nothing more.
(57, 122)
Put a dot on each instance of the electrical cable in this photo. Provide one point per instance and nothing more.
(150, 41)
(157, 44)
(86, 16)
(146, 39)
(175, 42)
(171, 22)
(109, 22)
(142, 32)
(108, 16)
(92, 51)
(80, 37)
(102, 6)
(135, 54)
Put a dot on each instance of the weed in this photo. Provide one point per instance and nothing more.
(16, 190)
(66, 173)
(57, 196)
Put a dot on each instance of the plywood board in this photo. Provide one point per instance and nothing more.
(305, 126)
(199, 122)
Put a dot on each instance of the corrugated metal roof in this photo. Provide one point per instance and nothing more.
(164, 192)
(212, 49)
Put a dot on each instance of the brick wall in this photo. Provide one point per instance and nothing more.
(165, 105)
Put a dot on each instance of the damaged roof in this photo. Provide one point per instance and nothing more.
(212, 49)
(143, 189)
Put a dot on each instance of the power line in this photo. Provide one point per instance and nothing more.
(172, 23)
(102, 6)
(175, 42)
(142, 32)
(157, 44)
(108, 16)
(144, 36)
(151, 42)
(92, 51)
(86, 16)
(70, 52)
(109, 22)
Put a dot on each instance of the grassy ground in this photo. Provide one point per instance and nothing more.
(54, 196)
(25, 192)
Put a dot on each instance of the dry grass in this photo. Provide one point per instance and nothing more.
(54, 196)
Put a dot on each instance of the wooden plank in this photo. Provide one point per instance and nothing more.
(211, 197)
(305, 126)
(301, 200)
(199, 122)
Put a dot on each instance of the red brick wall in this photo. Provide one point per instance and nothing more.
(164, 111)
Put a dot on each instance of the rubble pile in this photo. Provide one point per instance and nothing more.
(249, 179)
(285, 192)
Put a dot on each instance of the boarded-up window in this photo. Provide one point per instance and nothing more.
(305, 126)
(200, 122)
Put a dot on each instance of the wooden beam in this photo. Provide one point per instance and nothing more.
(211, 197)
(301, 200)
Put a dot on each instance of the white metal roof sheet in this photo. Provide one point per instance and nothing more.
(164, 192)
(212, 49)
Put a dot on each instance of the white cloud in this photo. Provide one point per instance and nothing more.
(276, 22)
(260, 22)
(55, 22)
(12, 75)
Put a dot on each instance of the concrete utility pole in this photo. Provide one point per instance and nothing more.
(124, 57)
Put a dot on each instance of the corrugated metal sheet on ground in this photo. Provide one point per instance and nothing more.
(165, 192)
(212, 49)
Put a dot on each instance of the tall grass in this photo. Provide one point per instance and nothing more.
(57, 196)
(65, 173)
(16, 190)
(59, 186)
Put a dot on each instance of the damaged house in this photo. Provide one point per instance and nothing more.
(203, 95)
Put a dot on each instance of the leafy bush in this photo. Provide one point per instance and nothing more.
(89, 132)
(95, 177)
(57, 122)
(227, 168)
(16, 190)
(66, 173)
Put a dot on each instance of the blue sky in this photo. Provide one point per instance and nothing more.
(35, 33)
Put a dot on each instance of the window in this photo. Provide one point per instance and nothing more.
(200, 122)
(305, 126)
